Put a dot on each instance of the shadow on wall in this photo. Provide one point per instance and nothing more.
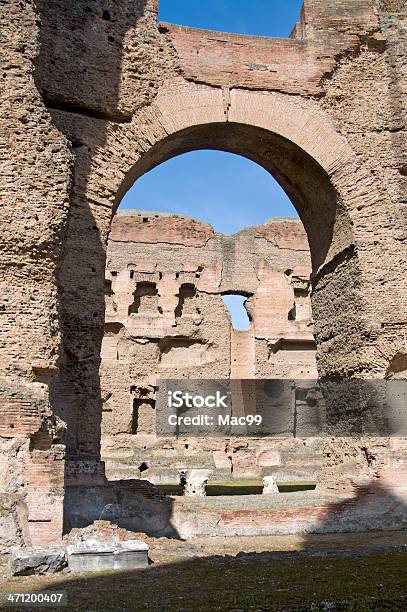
(134, 505)
(373, 507)
(139, 507)
(79, 74)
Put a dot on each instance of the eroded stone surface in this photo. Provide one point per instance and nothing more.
(165, 318)
(93, 97)
(26, 561)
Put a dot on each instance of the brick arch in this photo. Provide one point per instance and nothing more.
(289, 137)
(123, 110)
(292, 167)
(298, 144)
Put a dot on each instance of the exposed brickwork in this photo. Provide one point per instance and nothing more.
(290, 66)
(156, 228)
(165, 318)
(96, 94)
(44, 474)
(18, 418)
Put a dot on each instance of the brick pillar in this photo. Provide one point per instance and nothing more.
(44, 476)
(33, 472)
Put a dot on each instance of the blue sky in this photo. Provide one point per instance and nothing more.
(235, 305)
(258, 17)
(226, 190)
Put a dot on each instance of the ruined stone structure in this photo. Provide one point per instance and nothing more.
(94, 94)
(165, 319)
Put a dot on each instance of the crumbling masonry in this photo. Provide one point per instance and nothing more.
(94, 94)
(165, 318)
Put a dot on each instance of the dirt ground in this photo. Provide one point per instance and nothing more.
(319, 572)
(164, 551)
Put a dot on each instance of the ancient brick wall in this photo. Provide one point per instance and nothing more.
(36, 167)
(165, 318)
(126, 121)
(97, 93)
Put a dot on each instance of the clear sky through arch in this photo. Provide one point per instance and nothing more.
(228, 191)
(259, 17)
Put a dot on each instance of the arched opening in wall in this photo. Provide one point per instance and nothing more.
(208, 265)
(264, 18)
(228, 191)
(186, 329)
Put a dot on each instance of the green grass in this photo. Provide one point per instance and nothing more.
(243, 487)
(226, 489)
(290, 487)
(378, 582)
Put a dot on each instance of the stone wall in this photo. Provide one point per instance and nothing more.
(36, 171)
(165, 319)
(97, 93)
(125, 120)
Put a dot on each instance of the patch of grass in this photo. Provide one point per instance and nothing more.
(243, 487)
(249, 482)
(233, 489)
(377, 582)
(290, 487)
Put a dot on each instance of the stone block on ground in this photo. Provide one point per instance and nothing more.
(131, 554)
(94, 556)
(26, 561)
